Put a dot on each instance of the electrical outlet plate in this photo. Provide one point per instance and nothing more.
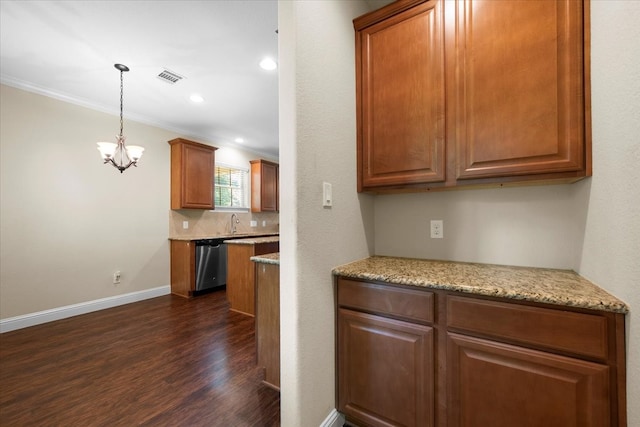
(116, 277)
(437, 229)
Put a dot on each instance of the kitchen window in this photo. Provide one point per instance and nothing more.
(231, 188)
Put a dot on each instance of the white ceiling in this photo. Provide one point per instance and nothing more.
(66, 49)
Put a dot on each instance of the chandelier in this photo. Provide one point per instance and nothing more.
(118, 154)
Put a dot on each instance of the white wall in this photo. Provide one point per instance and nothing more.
(68, 221)
(317, 143)
(610, 252)
(528, 226)
(234, 157)
(592, 227)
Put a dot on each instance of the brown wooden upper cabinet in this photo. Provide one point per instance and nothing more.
(192, 169)
(472, 92)
(401, 93)
(264, 186)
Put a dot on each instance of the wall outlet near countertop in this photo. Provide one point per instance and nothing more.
(253, 223)
(437, 229)
(185, 225)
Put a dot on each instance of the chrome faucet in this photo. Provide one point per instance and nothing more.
(233, 223)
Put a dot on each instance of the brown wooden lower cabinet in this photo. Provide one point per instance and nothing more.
(268, 322)
(241, 274)
(183, 267)
(386, 370)
(495, 384)
(462, 360)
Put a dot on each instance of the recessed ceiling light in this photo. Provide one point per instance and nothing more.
(196, 98)
(268, 64)
(239, 140)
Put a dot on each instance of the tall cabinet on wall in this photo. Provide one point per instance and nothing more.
(192, 173)
(264, 186)
(400, 84)
(472, 92)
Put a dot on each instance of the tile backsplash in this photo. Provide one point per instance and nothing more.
(204, 223)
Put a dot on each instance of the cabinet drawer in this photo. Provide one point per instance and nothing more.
(578, 333)
(410, 304)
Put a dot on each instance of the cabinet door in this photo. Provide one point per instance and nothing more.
(500, 385)
(520, 101)
(400, 98)
(197, 184)
(385, 370)
(192, 170)
(269, 187)
(264, 186)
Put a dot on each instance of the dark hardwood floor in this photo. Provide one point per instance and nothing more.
(166, 361)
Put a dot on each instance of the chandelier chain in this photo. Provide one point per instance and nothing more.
(121, 99)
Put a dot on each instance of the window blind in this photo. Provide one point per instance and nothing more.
(230, 187)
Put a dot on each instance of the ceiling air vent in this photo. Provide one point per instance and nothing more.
(170, 77)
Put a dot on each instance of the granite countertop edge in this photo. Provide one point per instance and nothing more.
(550, 286)
(273, 258)
(224, 236)
(253, 240)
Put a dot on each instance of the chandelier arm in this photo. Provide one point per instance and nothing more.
(120, 167)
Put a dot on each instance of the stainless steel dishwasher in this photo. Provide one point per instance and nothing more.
(211, 264)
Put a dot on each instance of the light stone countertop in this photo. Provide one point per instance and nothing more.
(253, 240)
(224, 236)
(559, 287)
(273, 258)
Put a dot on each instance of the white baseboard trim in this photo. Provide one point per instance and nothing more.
(32, 319)
(334, 419)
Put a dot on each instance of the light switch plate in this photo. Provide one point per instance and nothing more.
(327, 197)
